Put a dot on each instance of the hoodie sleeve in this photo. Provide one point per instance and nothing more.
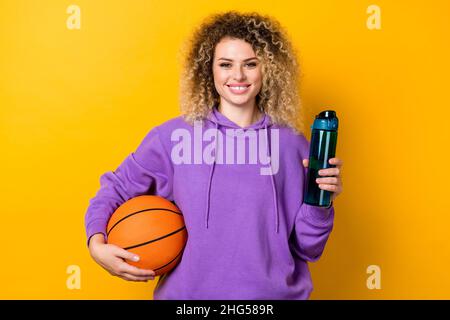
(312, 228)
(148, 170)
(313, 225)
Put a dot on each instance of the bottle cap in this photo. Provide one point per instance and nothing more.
(326, 120)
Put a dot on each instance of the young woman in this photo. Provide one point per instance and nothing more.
(235, 164)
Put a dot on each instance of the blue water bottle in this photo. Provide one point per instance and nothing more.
(322, 149)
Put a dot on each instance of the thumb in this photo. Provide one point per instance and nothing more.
(122, 253)
(305, 163)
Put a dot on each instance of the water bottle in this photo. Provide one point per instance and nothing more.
(322, 149)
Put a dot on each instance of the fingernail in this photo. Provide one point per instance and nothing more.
(136, 258)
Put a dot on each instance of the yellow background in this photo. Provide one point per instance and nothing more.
(75, 103)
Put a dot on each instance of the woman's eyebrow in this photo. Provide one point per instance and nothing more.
(232, 59)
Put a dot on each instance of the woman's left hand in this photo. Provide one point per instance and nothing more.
(333, 181)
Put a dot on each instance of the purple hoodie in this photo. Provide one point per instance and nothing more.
(249, 234)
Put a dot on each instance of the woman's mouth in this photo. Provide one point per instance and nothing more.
(241, 89)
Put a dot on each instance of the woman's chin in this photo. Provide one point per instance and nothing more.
(239, 101)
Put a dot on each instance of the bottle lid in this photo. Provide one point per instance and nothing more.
(326, 120)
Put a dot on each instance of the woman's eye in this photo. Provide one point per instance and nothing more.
(251, 64)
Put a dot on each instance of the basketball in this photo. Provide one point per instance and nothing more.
(151, 227)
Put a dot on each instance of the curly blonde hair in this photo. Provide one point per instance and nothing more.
(279, 94)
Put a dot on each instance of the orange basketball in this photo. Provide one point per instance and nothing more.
(151, 227)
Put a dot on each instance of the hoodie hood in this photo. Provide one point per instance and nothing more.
(219, 120)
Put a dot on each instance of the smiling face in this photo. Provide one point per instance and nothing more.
(237, 72)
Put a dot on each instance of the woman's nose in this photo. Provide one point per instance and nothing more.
(239, 74)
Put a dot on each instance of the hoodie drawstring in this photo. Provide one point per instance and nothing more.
(208, 192)
(211, 171)
(274, 190)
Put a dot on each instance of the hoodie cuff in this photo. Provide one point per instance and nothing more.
(97, 226)
(319, 215)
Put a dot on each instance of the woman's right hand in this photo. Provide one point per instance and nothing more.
(112, 259)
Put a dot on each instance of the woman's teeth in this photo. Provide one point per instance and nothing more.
(239, 88)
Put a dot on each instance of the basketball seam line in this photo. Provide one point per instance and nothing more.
(153, 240)
(170, 261)
(132, 214)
